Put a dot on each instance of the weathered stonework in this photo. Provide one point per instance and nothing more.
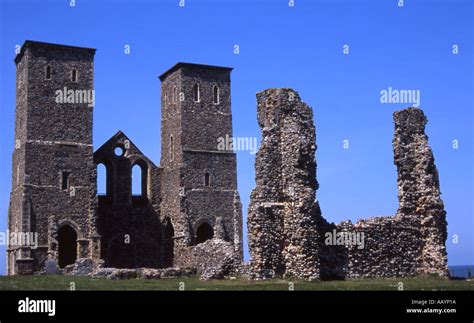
(51, 139)
(287, 234)
(214, 259)
(413, 241)
(188, 217)
(283, 213)
(190, 198)
(418, 188)
(192, 124)
(129, 225)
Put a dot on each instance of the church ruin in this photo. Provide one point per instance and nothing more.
(191, 197)
(188, 213)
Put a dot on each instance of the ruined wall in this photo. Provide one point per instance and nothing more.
(418, 188)
(413, 241)
(390, 247)
(129, 225)
(289, 237)
(213, 259)
(283, 214)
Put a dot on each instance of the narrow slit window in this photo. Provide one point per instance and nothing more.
(196, 94)
(65, 181)
(207, 180)
(74, 75)
(171, 148)
(216, 94)
(175, 94)
(48, 72)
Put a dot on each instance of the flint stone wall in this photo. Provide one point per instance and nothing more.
(213, 259)
(413, 241)
(286, 231)
(283, 213)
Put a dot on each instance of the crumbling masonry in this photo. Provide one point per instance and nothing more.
(283, 214)
(188, 214)
(286, 232)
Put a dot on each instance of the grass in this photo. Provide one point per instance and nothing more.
(190, 283)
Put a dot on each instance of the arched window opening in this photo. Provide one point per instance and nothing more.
(101, 179)
(215, 92)
(67, 245)
(196, 94)
(204, 233)
(138, 180)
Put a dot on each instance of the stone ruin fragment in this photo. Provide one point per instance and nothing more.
(283, 213)
(286, 230)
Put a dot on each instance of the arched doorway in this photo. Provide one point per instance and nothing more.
(168, 250)
(204, 232)
(67, 240)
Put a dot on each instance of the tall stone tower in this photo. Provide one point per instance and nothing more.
(199, 182)
(53, 177)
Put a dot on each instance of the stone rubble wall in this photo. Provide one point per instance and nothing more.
(391, 248)
(213, 259)
(419, 190)
(286, 231)
(283, 214)
(413, 241)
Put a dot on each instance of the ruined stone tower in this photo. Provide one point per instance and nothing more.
(189, 199)
(199, 182)
(419, 194)
(283, 214)
(53, 182)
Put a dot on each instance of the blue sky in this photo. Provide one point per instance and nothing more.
(301, 47)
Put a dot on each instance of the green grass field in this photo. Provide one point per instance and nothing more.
(87, 283)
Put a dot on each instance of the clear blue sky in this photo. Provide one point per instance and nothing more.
(407, 47)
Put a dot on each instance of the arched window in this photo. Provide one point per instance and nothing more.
(101, 179)
(196, 94)
(67, 246)
(207, 179)
(204, 233)
(215, 92)
(137, 180)
(48, 72)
